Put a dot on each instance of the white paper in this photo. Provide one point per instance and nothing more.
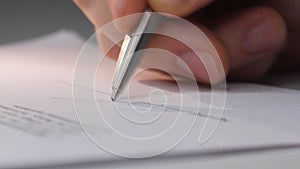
(39, 127)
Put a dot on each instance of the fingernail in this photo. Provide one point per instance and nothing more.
(261, 37)
(117, 7)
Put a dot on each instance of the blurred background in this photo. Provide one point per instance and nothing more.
(21, 20)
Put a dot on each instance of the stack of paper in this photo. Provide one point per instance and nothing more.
(39, 126)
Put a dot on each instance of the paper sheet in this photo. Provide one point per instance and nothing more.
(39, 127)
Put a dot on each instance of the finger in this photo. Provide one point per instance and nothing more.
(210, 68)
(251, 35)
(106, 45)
(92, 10)
(96, 11)
(177, 7)
(207, 60)
(121, 8)
(99, 14)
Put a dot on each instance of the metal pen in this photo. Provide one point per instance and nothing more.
(128, 58)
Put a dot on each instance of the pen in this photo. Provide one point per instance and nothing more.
(128, 58)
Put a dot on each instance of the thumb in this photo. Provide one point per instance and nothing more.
(177, 7)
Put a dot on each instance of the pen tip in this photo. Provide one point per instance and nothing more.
(114, 95)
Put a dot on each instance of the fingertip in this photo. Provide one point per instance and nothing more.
(204, 67)
(269, 34)
(117, 7)
(251, 34)
(121, 8)
(96, 11)
(215, 62)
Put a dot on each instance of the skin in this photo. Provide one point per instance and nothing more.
(264, 38)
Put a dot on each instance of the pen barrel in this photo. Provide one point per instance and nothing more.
(129, 56)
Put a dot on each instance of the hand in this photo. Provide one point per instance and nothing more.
(250, 38)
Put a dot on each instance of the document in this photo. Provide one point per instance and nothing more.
(39, 125)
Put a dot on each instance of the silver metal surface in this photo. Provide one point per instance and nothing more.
(127, 59)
